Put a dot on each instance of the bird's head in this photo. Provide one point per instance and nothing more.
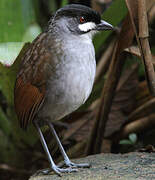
(79, 19)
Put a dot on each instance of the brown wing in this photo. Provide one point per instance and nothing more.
(29, 92)
(28, 99)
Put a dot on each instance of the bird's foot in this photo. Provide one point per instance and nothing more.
(74, 165)
(56, 169)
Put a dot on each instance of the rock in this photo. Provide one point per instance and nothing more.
(111, 166)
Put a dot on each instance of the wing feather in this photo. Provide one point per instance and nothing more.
(28, 99)
(29, 92)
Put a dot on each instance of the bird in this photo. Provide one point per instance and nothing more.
(56, 74)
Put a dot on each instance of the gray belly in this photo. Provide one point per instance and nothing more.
(70, 85)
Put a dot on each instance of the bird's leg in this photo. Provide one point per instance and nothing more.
(66, 158)
(54, 167)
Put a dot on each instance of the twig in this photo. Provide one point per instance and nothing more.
(145, 47)
(134, 50)
(139, 22)
(136, 126)
(151, 14)
(142, 109)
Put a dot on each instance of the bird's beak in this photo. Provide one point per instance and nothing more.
(104, 26)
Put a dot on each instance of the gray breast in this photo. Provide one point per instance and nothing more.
(72, 82)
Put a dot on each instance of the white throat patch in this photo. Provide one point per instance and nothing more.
(87, 26)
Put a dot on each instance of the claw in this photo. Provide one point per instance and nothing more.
(68, 170)
(74, 165)
(56, 169)
(82, 165)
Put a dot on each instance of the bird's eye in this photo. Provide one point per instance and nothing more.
(82, 19)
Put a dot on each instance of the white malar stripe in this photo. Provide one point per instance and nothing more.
(87, 26)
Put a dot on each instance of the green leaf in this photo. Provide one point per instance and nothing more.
(9, 51)
(8, 76)
(125, 142)
(133, 138)
(64, 2)
(15, 15)
(7, 80)
(4, 123)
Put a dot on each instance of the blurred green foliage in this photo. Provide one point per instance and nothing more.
(16, 16)
(131, 141)
(18, 26)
